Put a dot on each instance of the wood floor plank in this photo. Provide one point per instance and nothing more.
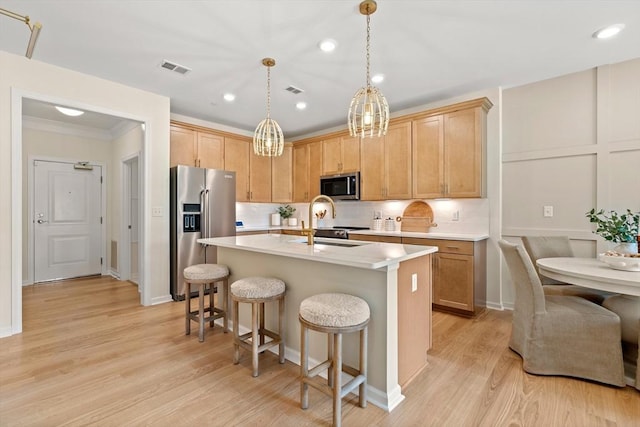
(91, 355)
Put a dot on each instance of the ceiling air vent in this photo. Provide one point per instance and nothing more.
(294, 90)
(175, 67)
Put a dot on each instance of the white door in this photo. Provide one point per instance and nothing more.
(67, 222)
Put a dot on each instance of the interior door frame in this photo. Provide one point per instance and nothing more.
(16, 195)
(124, 253)
(31, 203)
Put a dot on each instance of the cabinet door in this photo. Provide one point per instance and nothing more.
(281, 176)
(182, 147)
(463, 153)
(428, 158)
(372, 169)
(315, 169)
(259, 178)
(350, 154)
(301, 173)
(210, 151)
(397, 158)
(331, 156)
(236, 158)
(453, 281)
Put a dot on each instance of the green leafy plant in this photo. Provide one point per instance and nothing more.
(617, 228)
(286, 211)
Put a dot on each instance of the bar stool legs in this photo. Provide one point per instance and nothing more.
(334, 314)
(202, 275)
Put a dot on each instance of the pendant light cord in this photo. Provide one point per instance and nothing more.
(368, 43)
(268, 92)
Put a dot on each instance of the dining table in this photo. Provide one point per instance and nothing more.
(591, 273)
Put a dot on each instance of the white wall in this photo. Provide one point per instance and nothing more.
(572, 142)
(24, 77)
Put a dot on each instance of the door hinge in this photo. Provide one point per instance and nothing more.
(100, 260)
(100, 220)
(100, 179)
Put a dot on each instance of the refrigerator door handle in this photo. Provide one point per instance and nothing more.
(203, 214)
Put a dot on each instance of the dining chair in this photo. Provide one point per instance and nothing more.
(628, 309)
(558, 246)
(561, 334)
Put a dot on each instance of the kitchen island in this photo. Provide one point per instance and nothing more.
(394, 279)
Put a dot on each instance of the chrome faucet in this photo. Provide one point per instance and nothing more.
(309, 232)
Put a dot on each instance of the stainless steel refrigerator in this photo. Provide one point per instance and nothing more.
(202, 204)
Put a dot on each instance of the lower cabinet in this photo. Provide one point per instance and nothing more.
(373, 238)
(459, 275)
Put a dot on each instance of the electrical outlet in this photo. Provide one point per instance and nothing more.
(414, 282)
(547, 211)
(156, 211)
(456, 216)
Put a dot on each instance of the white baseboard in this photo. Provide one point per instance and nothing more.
(161, 300)
(114, 274)
(7, 331)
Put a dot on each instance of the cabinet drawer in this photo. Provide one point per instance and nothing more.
(444, 246)
(371, 238)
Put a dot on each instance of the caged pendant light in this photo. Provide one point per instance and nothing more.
(369, 111)
(268, 139)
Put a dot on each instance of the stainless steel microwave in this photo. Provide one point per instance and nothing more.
(345, 186)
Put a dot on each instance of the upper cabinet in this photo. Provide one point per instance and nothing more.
(196, 148)
(259, 177)
(340, 154)
(386, 164)
(307, 160)
(449, 152)
(237, 159)
(281, 182)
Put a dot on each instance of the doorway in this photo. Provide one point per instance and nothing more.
(129, 258)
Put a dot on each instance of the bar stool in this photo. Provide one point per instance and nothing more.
(334, 314)
(202, 275)
(257, 291)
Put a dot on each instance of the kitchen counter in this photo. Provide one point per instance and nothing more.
(369, 255)
(394, 279)
(471, 237)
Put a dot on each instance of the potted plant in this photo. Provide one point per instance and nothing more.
(617, 228)
(286, 212)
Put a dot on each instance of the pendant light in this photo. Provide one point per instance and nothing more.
(369, 111)
(268, 139)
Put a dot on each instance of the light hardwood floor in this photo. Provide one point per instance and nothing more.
(91, 355)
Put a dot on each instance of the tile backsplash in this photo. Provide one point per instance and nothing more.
(472, 214)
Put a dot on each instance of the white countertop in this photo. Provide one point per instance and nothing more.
(472, 237)
(369, 255)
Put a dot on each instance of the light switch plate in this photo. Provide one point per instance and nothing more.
(156, 211)
(548, 211)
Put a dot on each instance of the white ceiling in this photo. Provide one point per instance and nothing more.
(428, 50)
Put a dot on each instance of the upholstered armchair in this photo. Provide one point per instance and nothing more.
(558, 334)
(558, 246)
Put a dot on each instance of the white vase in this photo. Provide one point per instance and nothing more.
(293, 222)
(627, 248)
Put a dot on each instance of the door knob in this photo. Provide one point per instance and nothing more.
(42, 221)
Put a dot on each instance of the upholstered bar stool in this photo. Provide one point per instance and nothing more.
(334, 314)
(201, 275)
(257, 291)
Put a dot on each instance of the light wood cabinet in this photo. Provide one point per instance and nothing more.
(281, 176)
(195, 148)
(340, 155)
(236, 159)
(459, 274)
(449, 152)
(386, 164)
(307, 161)
(259, 177)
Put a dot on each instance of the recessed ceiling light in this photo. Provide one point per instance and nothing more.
(378, 78)
(328, 45)
(69, 111)
(229, 97)
(608, 32)
(301, 105)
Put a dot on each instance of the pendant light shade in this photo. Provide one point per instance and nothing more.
(369, 111)
(268, 139)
